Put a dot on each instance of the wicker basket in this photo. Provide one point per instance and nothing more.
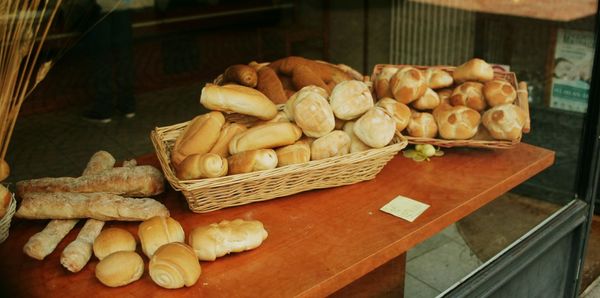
(204, 195)
(5, 221)
(482, 139)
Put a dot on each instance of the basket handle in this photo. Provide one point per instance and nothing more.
(523, 98)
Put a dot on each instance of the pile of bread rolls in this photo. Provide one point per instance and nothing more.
(452, 105)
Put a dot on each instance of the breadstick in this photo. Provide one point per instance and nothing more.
(43, 243)
(79, 252)
(240, 74)
(136, 181)
(100, 206)
(270, 85)
(99, 162)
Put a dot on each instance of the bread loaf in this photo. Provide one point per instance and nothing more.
(429, 101)
(196, 166)
(174, 265)
(303, 76)
(375, 128)
(120, 268)
(327, 72)
(270, 85)
(198, 137)
(237, 99)
(382, 82)
(5, 197)
(399, 111)
(350, 99)
(99, 162)
(252, 161)
(335, 143)
(219, 239)
(288, 109)
(473, 70)
(265, 136)
(112, 240)
(408, 84)
(78, 253)
(158, 231)
(422, 125)
(227, 133)
(43, 243)
(498, 92)
(312, 113)
(505, 122)
(457, 123)
(296, 153)
(469, 94)
(356, 145)
(240, 74)
(437, 78)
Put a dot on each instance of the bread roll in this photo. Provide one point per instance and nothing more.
(99, 162)
(288, 109)
(505, 122)
(313, 114)
(5, 197)
(199, 136)
(303, 76)
(78, 253)
(356, 144)
(335, 143)
(350, 99)
(473, 70)
(422, 125)
(444, 95)
(44, 242)
(382, 82)
(265, 136)
(157, 231)
(120, 268)
(327, 72)
(252, 161)
(237, 99)
(408, 84)
(296, 153)
(498, 92)
(457, 123)
(240, 74)
(227, 133)
(437, 78)
(270, 85)
(429, 101)
(112, 240)
(196, 166)
(280, 117)
(469, 94)
(375, 128)
(219, 239)
(399, 111)
(4, 169)
(174, 265)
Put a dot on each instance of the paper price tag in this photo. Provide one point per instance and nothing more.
(405, 208)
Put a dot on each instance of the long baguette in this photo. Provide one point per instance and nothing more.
(43, 243)
(78, 253)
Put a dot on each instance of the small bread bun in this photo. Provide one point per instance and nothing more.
(112, 240)
(157, 231)
(350, 99)
(238, 99)
(265, 136)
(422, 125)
(288, 108)
(357, 145)
(473, 70)
(5, 198)
(375, 128)
(408, 84)
(120, 268)
(296, 153)
(429, 101)
(498, 92)
(196, 166)
(335, 143)
(457, 123)
(437, 78)
(399, 111)
(382, 82)
(504, 122)
(469, 94)
(198, 137)
(444, 95)
(174, 265)
(313, 113)
(252, 161)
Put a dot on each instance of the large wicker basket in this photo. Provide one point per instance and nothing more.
(5, 221)
(482, 139)
(204, 195)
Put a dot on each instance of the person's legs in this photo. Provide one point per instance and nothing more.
(121, 33)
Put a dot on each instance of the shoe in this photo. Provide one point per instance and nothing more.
(95, 117)
(129, 115)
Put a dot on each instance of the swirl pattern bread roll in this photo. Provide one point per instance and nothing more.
(196, 166)
(240, 74)
(382, 82)
(270, 85)
(252, 161)
(198, 137)
(498, 92)
(469, 94)
(408, 84)
(429, 101)
(120, 268)
(296, 153)
(227, 133)
(473, 70)
(399, 111)
(335, 143)
(112, 240)
(237, 99)
(457, 123)
(174, 265)
(375, 128)
(218, 239)
(265, 136)
(356, 144)
(437, 78)
(350, 99)
(312, 113)
(422, 125)
(158, 231)
(505, 122)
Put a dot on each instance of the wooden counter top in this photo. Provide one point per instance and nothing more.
(319, 241)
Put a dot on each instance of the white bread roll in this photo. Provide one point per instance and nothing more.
(196, 166)
(498, 92)
(288, 108)
(227, 133)
(174, 265)
(350, 99)
(157, 231)
(356, 144)
(473, 70)
(469, 94)
(335, 143)
(457, 123)
(198, 137)
(296, 153)
(505, 122)
(252, 161)
(399, 111)
(265, 136)
(437, 78)
(444, 95)
(238, 99)
(5, 197)
(120, 268)
(422, 125)
(429, 101)
(313, 113)
(375, 128)
(382, 82)
(216, 240)
(408, 84)
(112, 240)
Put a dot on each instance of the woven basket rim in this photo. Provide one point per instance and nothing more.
(6, 220)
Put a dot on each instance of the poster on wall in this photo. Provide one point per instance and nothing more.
(572, 69)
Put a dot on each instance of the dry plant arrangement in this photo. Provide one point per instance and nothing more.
(24, 25)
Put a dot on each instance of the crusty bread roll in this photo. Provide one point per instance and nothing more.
(196, 166)
(350, 99)
(356, 144)
(296, 153)
(237, 99)
(174, 265)
(399, 111)
(375, 128)
(198, 137)
(444, 95)
(469, 94)
(265, 136)
(270, 85)
(219, 239)
(112, 240)
(422, 125)
(313, 113)
(240, 74)
(457, 123)
(429, 101)
(335, 143)
(505, 122)
(157, 231)
(252, 161)
(408, 84)
(498, 92)
(382, 82)
(5, 197)
(473, 70)
(227, 133)
(120, 268)
(437, 78)
(288, 108)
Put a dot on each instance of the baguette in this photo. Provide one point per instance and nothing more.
(303, 76)
(240, 74)
(78, 253)
(238, 99)
(99, 162)
(198, 137)
(265, 136)
(43, 243)
(270, 85)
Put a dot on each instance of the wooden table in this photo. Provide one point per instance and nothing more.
(319, 241)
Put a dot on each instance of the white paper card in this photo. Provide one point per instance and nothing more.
(405, 208)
